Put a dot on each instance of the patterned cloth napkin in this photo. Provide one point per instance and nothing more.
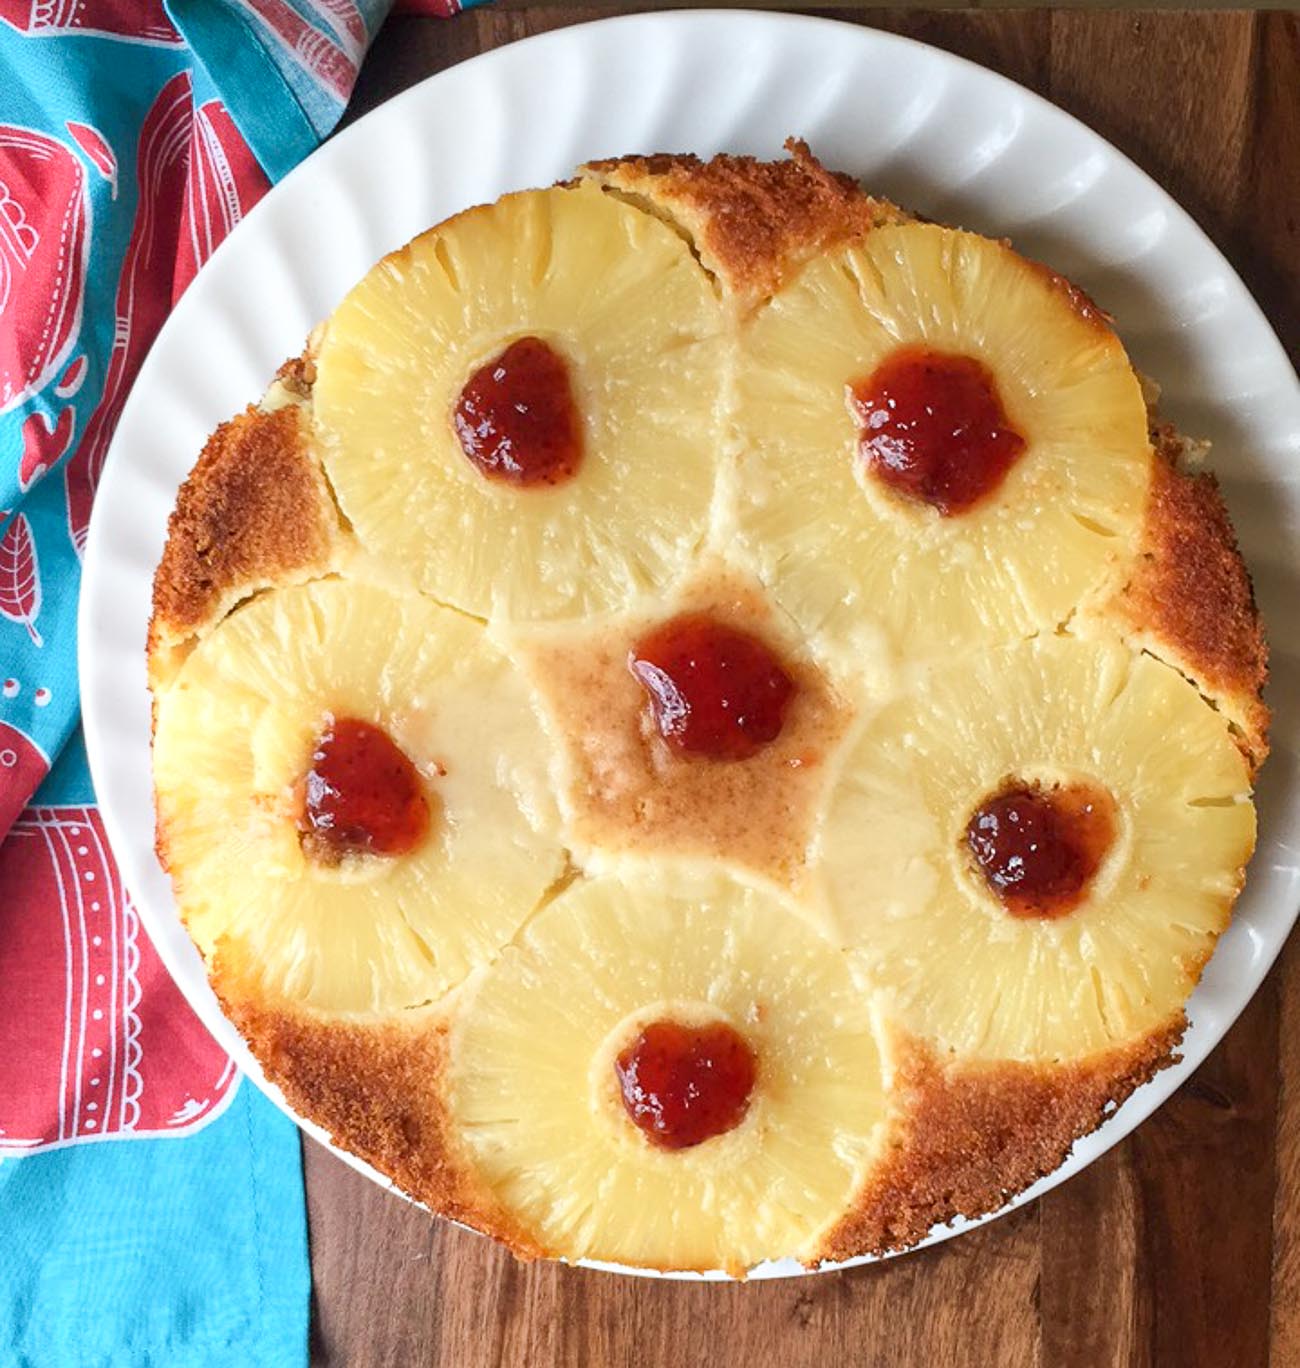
(134, 134)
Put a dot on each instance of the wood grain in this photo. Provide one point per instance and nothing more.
(1181, 1247)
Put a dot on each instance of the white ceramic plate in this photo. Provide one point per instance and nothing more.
(922, 127)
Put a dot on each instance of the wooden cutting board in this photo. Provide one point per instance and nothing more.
(1182, 1246)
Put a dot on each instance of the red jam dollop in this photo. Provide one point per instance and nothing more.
(1038, 849)
(714, 691)
(683, 1085)
(933, 428)
(516, 417)
(362, 796)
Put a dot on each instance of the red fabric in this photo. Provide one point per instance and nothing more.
(196, 179)
(329, 64)
(224, 182)
(440, 9)
(143, 20)
(22, 766)
(95, 1039)
(45, 218)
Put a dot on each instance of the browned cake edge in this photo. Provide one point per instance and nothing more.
(378, 1088)
(967, 1136)
(749, 221)
(1190, 601)
(254, 512)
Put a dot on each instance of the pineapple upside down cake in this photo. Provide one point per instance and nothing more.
(706, 719)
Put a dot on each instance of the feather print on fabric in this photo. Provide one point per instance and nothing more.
(20, 577)
(93, 143)
(44, 233)
(225, 181)
(144, 290)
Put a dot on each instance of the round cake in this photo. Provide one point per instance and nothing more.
(706, 719)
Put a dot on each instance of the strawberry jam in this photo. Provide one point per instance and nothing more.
(1038, 849)
(933, 428)
(516, 417)
(362, 796)
(683, 1085)
(714, 691)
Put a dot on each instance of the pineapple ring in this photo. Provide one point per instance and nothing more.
(961, 971)
(233, 738)
(883, 571)
(533, 1091)
(618, 293)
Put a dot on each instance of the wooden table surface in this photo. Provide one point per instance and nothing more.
(1181, 1246)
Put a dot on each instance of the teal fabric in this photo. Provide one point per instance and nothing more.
(116, 1248)
(281, 113)
(133, 135)
(189, 1254)
(181, 1252)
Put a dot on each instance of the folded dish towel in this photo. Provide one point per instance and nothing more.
(134, 134)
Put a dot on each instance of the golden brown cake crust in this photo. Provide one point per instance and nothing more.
(750, 221)
(254, 511)
(1082, 303)
(1190, 598)
(377, 1087)
(967, 1136)
(298, 374)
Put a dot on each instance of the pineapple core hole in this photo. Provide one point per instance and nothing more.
(361, 795)
(1038, 848)
(682, 1085)
(714, 691)
(932, 428)
(516, 417)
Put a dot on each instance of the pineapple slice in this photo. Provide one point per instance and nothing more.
(879, 571)
(965, 973)
(234, 739)
(534, 1091)
(617, 294)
